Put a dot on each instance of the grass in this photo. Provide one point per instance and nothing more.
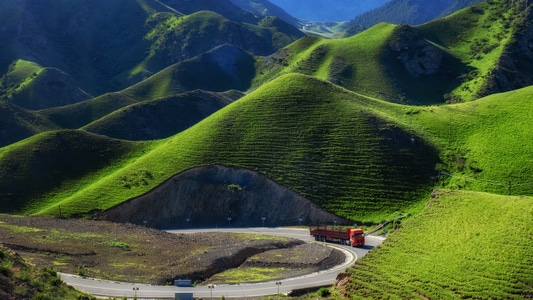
(321, 141)
(477, 36)
(26, 281)
(471, 43)
(248, 274)
(20, 74)
(316, 57)
(464, 245)
(354, 155)
(273, 127)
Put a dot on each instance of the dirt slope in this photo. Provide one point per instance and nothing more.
(208, 196)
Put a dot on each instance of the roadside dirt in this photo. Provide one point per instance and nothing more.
(132, 253)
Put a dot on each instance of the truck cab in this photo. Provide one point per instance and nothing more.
(357, 237)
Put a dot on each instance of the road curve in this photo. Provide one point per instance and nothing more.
(104, 288)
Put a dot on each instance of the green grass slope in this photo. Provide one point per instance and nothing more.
(486, 38)
(163, 117)
(358, 157)
(17, 123)
(31, 86)
(374, 63)
(21, 280)
(464, 245)
(220, 69)
(175, 38)
(484, 144)
(224, 68)
(108, 46)
(455, 59)
(57, 161)
(306, 134)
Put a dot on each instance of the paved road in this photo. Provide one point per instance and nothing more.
(323, 278)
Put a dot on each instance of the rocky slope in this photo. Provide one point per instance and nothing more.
(208, 196)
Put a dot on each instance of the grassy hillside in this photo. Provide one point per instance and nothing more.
(412, 12)
(464, 245)
(222, 69)
(369, 63)
(359, 157)
(31, 86)
(352, 63)
(455, 59)
(308, 135)
(111, 45)
(162, 117)
(21, 280)
(17, 123)
(479, 37)
(350, 153)
(57, 162)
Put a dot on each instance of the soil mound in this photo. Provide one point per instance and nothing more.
(215, 196)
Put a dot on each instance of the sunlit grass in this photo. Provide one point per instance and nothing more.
(248, 275)
(464, 245)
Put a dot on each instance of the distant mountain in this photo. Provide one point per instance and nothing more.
(265, 8)
(412, 12)
(93, 48)
(328, 10)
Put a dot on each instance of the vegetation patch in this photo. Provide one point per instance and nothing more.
(25, 281)
(248, 274)
(464, 245)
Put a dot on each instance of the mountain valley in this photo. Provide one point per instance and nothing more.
(164, 110)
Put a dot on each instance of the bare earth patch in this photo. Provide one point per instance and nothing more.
(132, 253)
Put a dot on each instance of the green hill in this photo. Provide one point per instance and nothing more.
(31, 86)
(17, 123)
(473, 53)
(340, 155)
(224, 68)
(109, 46)
(57, 161)
(412, 12)
(464, 245)
(374, 63)
(163, 117)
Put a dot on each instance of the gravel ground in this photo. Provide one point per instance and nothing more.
(132, 253)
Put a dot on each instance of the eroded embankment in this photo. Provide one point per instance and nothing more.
(217, 196)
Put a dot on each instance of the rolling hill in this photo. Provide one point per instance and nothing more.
(468, 55)
(326, 134)
(430, 121)
(109, 46)
(384, 156)
(464, 245)
(411, 12)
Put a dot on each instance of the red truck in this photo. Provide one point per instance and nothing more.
(353, 236)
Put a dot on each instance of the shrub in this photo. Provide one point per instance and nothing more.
(6, 268)
(324, 292)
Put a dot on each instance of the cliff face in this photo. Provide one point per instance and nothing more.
(515, 66)
(418, 56)
(217, 196)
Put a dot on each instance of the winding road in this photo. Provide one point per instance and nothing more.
(103, 288)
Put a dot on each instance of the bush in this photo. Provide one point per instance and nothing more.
(6, 268)
(324, 292)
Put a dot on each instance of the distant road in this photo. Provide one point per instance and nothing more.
(323, 278)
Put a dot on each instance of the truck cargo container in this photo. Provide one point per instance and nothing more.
(354, 237)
